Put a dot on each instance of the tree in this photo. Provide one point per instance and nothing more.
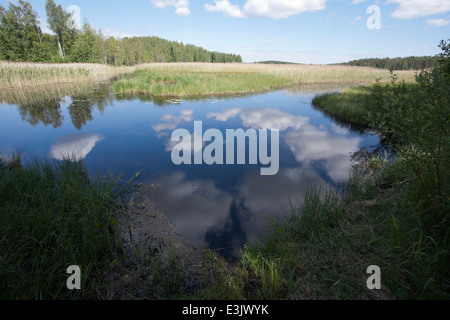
(86, 47)
(20, 34)
(61, 24)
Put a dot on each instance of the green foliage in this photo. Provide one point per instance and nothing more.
(87, 46)
(58, 21)
(415, 123)
(20, 34)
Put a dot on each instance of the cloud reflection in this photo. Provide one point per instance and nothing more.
(199, 209)
(74, 147)
(195, 207)
(307, 142)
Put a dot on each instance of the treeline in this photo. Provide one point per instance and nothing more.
(407, 63)
(22, 40)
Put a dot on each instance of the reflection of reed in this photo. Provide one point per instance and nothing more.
(44, 106)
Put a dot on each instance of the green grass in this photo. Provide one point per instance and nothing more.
(191, 80)
(184, 84)
(53, 216)
(354, 105)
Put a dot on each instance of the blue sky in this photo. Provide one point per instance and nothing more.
(304, 31)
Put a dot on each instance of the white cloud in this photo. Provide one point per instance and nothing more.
(226, 8)
(182, 11)
(281, 9)
(181, 6)
(274, 9)
(408, 9)
(437, 22)
(357, 1)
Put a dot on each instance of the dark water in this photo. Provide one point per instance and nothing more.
(224, 205)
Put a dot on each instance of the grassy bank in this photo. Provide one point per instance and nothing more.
(52, 217)
(187, 80)
(32, 75)
(355, 104)
(323, 250)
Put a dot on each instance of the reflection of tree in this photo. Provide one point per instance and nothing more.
(48, 112)
(44, 106)
(80, 112)
(83, 105)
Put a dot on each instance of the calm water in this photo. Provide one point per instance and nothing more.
(224, 205)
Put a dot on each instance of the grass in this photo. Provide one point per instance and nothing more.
(169, 84)
(32, 75)
(197, 79)
(323, 249)
(53, 216)
(353, 105)
(319, 252)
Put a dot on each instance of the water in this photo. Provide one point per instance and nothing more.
(223, 205)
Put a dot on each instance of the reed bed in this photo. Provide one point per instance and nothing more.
(296, 74)
(32, 75)
(205, 79)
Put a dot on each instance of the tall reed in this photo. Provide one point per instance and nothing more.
(27, 75)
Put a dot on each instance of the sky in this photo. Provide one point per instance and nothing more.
(301, 31)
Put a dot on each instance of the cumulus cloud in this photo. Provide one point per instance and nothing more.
(408, 9)
(226, 8)
(274, 9)
(181, 6)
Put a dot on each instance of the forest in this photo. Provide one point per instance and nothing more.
(406, 63)
(22, 40)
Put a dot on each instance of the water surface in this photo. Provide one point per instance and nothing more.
(223, 205)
